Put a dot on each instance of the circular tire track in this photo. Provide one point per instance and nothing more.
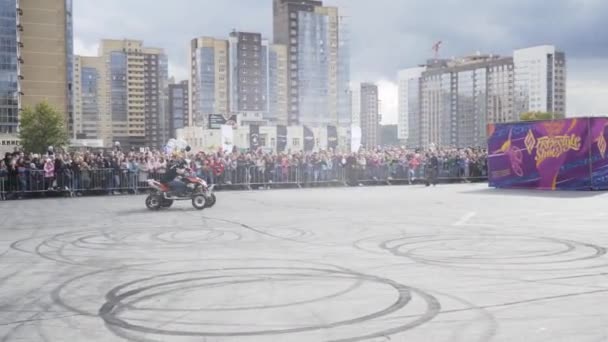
(122, 298)
(504, 252)
(77, 248)
(144, 302)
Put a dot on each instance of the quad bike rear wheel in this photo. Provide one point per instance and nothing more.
(210, 201)
(153, 202)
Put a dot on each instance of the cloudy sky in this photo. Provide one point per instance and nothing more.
(387, 35)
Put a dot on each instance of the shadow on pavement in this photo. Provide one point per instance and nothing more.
(536, 193)
(145, 210)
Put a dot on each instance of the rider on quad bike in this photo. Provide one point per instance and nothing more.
(171, 178)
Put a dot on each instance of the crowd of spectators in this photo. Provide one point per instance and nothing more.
(127, 171)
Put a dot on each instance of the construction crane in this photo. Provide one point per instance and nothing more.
(436, 48)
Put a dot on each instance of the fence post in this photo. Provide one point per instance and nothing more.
(2, 191)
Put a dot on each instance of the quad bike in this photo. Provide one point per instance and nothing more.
(197, 191)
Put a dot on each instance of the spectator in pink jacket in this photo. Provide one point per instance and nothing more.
(49, 173)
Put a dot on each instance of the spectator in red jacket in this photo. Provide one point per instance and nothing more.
(218, 169)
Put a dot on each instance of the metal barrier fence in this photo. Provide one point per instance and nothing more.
(2, 190)
(113, 181)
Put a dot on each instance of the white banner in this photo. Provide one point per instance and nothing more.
(355, 139)
(227, 136)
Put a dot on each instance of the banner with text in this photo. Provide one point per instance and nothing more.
(217, 120)
(227, 134)
(599, 153)
(548, 155)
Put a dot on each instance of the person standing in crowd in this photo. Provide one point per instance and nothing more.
(133, 167)
(49, 173)
(117, 170)
(144, 169)
(218, 170)
(432, 169)
(75, 168)
(85, 177)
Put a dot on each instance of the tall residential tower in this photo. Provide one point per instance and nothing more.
(540, 85)
(248, 60)
(409, 106)
(450, 102)
(178, 106)
(370, 115)
(47, 54)
(37, 51)
(209, 79)
(317, 42)
(122, 94)
(278, 81)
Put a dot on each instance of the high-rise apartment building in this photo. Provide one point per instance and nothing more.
(10, 86)
(540, 85)
(356, 104)
(450, 102)
(92, 118)
(278, 80)
(46, 36)
(178, 106)
(36, 60)
(248, 60)
(317, 44)
(454, 100)
(130, 85)
(500, 92)
(409, 107)
(209, 79)
(156, 95)
(287, 31)
(344, 90)
(370, 115)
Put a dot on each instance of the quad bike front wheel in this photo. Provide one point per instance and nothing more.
(210, 201)
(199, 202)
(153, 202)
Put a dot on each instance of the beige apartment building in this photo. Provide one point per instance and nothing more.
(209, 79)
(121, 95)
(37, 53)
(92, 119)
(46, 53)
(278, 86)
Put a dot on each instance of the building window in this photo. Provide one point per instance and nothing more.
(296, 142)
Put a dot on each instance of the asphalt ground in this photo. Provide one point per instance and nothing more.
(451, 263)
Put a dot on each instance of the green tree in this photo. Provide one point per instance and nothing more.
(41, 127)
(535, 116)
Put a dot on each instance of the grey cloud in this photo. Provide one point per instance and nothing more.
(387, 35)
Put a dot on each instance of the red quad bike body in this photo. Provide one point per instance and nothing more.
(197, 191)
